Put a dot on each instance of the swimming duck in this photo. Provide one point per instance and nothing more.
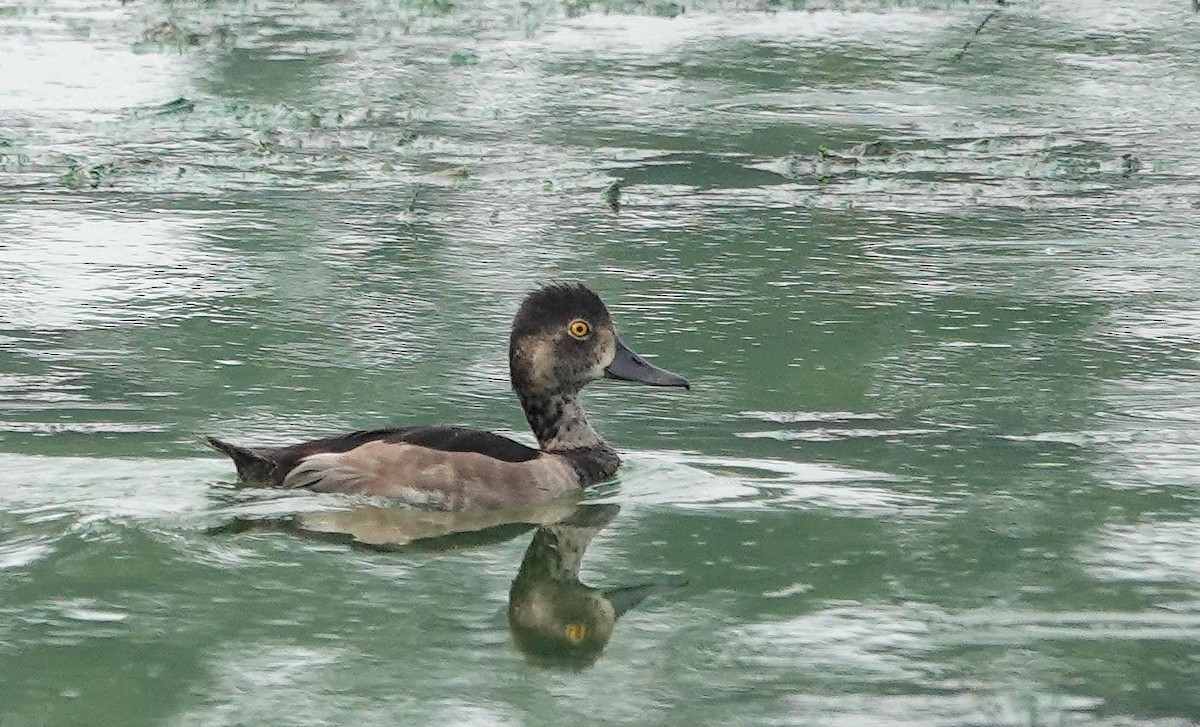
(562, 339)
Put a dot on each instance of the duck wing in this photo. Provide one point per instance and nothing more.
(271, 466)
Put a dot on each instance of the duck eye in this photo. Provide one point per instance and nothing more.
(576, 633)
(579, 329)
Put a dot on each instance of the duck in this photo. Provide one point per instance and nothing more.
(562, 339)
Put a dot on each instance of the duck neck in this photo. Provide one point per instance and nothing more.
(559, 422)
(553, 555)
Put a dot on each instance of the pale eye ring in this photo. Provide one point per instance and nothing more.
(579, 329)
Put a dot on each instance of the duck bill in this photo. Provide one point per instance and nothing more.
(628, 366)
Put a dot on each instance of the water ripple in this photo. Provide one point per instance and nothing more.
(695, 481)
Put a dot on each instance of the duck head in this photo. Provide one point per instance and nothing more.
(563, 338)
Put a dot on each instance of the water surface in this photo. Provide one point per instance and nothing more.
(938, 466)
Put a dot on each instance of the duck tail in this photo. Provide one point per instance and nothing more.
(252, 465)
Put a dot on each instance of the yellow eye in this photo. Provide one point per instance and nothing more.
(579, 328)
(576, 633)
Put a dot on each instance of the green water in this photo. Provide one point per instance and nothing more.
(939, 463)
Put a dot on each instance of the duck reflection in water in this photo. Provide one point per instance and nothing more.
(387, 528)
(555, 620)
